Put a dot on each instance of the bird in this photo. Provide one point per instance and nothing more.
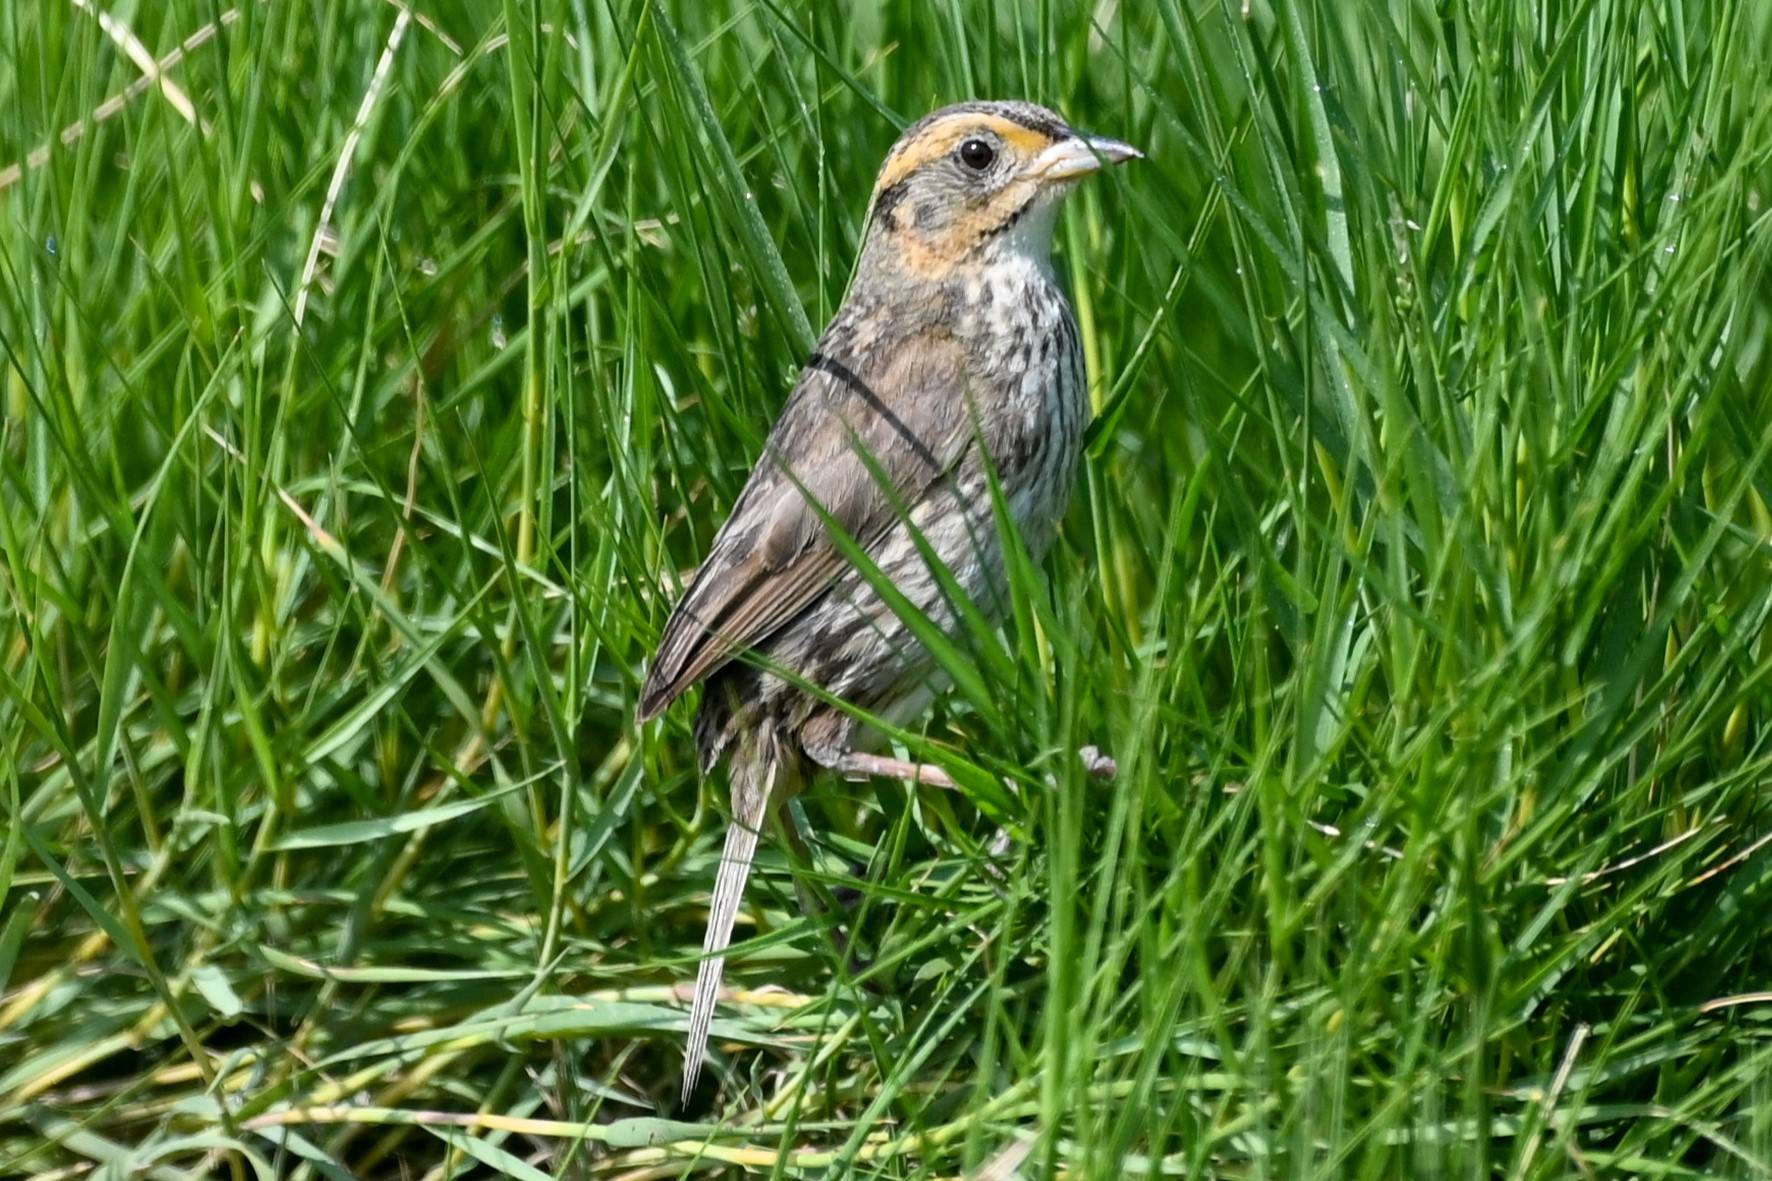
(953, 357)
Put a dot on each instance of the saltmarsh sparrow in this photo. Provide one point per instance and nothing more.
(954, 355)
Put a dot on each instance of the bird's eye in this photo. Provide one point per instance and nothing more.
(977, 155)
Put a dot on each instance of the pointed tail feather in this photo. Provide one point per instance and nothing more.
(753, 782)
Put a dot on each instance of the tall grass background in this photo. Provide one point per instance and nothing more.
(372, 377)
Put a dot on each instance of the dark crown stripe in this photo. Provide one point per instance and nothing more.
(1031, 118)
(1022, 114)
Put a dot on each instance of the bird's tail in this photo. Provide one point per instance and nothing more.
(753, 769)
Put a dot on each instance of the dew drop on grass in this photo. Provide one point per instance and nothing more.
(498, 331)
(53, 246)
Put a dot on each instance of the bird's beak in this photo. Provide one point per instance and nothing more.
(1079, 155)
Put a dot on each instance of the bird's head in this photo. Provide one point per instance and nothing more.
(979, 178)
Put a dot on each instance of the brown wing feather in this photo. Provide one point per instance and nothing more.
(904, 408)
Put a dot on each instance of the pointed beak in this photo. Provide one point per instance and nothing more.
(1079, 155)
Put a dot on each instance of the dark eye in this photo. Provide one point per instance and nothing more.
(977, 155)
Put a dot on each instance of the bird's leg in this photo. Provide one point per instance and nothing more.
(816, 901)
(856, 763)
(810, 905)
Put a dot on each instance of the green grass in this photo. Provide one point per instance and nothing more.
(1419, 578)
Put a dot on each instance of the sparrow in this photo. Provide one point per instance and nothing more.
(954, 356)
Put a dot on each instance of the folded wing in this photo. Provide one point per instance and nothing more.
(864, 444)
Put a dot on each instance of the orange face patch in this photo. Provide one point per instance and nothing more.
(935, 255)
(941, 137)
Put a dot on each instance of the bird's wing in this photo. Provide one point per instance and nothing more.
(906, 410)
